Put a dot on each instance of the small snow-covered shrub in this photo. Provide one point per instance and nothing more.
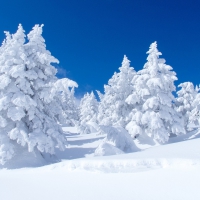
(107, 149)
(116, 137)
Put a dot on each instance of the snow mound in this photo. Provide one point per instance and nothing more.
(132, 166)
(94, 127)
(106, 149)
(117, 140)
(180, 155)
(23, 159)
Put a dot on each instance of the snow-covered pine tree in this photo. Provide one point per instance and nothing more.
(44, 121)
(154, 115)
(194, 115)
(113, 110)
(185, 101)
(12, 59)
(88, 109)
(69, 107)
(25, 91)
(66, 110)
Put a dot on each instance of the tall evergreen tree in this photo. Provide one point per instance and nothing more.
(26, 77)
(66, 109)
(88, 113)
(194, 115)
(154, 115)
(185, 101)
(113, 110)
(12, 71)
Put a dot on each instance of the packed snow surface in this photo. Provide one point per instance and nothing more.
(170, 171)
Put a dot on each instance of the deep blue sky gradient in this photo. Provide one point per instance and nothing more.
(90, 37)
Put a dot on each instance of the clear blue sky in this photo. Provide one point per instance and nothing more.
(90, 37)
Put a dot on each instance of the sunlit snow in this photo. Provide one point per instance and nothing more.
(170, 171)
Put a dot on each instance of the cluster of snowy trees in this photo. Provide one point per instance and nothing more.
(144, 103)
(35, 104)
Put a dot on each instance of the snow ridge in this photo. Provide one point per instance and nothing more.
(129, 166)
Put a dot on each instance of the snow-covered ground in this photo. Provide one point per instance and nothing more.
(166, 172)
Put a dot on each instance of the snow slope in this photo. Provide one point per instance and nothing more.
(170, 171)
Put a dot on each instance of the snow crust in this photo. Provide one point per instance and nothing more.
(54, 184)
(106, 149)
(183, 155)
(173, 155)
(174, 167)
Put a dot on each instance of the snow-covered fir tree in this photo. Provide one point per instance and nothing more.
(26, 76)
(154, 115)
(88, 109)
(66, 109)
(69, 107)
(113, 110)
(194, 115)
(185, 102)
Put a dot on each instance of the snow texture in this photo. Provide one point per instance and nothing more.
(155, 170)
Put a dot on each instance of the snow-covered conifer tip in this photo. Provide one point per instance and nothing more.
(126, 62)
(153, 49)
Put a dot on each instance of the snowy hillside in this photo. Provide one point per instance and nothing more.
(170, 171)
(138, 141)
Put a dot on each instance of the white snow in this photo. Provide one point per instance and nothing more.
(170, 171)
(115, 152)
